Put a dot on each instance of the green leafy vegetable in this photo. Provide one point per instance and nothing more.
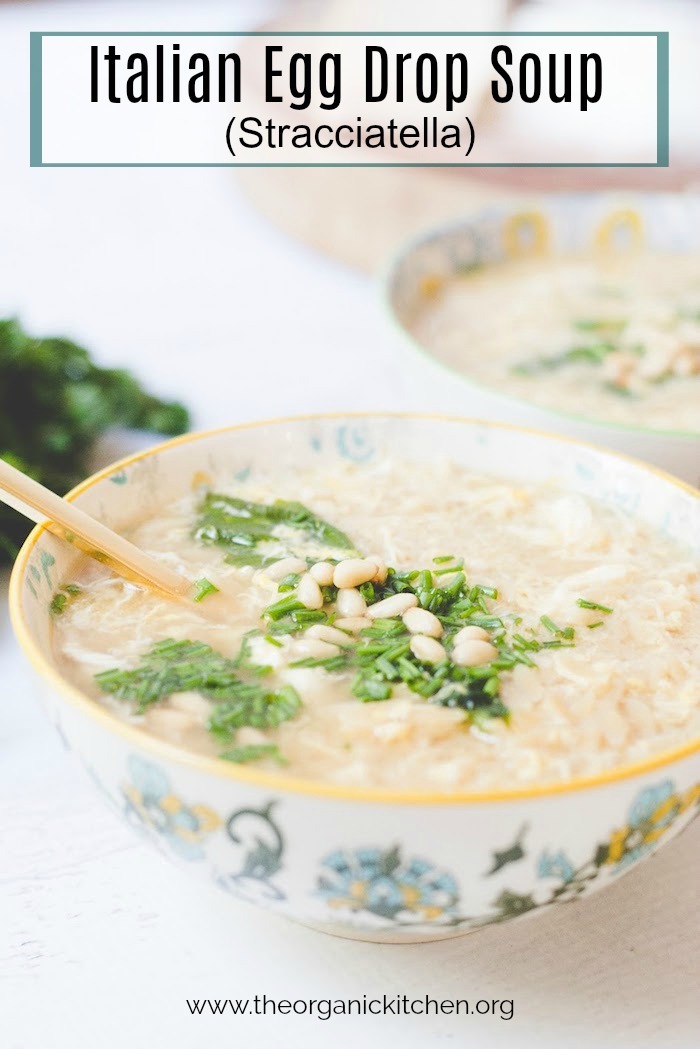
(583, 603)
(61, 598)
(595, 353)
(243, 527)
(609, 324)
(203, 588)
(565, 632)
(252, 705)
(254, 752)
(54, 403)
(182, 666)
(381, 657)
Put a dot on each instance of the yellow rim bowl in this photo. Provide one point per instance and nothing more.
(274, 781)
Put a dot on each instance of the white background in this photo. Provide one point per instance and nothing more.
(75, 129)
(100, 939)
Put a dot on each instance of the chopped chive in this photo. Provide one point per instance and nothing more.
(367, 591)
(487, 622)
(330, 663)
(242, 755)
(592, 626)
(58, 604)
(203, 588)
(565, 632)
(452, 568)
(290, 603)
(599, 324)
(583, 603)
(370, 690)
(289, 582)
(485, 591)
(528, 644)
(443, 559)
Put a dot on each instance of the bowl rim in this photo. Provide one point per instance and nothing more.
(281, 783)
(510, 206)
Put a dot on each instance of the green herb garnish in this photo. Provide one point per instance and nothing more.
(58, 604)
(184, 666)
(593, 353)
(254, 752)
(243, 527)
(599, 324)
(454, 567)
(61, 598)
(203, 588)
(254, 706)
(565, 632)
(380, 658)
(583, 603)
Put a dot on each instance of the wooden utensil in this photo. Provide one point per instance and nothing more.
(65, 520)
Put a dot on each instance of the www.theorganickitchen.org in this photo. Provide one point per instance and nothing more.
(326, 1008)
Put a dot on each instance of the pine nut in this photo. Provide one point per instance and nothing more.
(350, 603)
(316, 649)
(353, 623)
(353, 572)
(473, 653)
(287, 566)
(322, 572)
(309, 592)
(381, 569)
(328, 633)
(470, 633)
(392, 606)
(427, 649)
(421, 621)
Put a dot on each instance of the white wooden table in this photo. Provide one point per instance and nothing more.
(101, 940)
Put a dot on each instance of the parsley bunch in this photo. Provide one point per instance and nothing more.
(54, 403)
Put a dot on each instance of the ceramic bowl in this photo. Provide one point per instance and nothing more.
(565, 223)
(381, 865)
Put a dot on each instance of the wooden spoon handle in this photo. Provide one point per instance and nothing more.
(64, 519)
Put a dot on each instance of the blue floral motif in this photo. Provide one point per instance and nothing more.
(555, 865)
(381, 883)
(149, 800)
(650, 815)
(47, 562)
(354, 444)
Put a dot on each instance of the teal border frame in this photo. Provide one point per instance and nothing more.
(36, 118)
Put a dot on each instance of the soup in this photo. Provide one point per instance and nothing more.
(614, 338)
(399, 626)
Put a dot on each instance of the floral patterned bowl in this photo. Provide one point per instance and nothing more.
(383, 865)
(563, 223)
